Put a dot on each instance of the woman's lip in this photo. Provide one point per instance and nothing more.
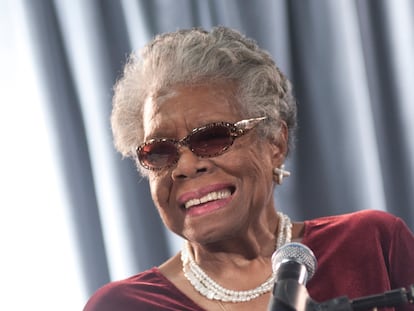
(208, 207)
(196, 194)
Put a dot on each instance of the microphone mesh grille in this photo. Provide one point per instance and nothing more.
(297, 252)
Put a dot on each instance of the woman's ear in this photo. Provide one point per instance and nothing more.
(280, 145)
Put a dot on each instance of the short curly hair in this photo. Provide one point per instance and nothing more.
(194, 56)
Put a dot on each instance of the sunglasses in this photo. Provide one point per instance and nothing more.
(207, 141)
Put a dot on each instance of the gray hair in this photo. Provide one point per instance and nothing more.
(197, 56)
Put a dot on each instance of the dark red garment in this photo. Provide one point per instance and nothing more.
(359, 254)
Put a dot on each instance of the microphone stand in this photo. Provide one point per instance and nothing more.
(390, 298)
(289, 295)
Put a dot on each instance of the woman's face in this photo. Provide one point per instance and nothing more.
(236, 185)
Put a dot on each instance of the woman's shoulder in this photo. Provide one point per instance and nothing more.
(127, 293)
(366, 223)
(150, 277)
(360, 218)
(148, 290)
(372, 249)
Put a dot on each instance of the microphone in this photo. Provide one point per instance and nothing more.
(293, 264)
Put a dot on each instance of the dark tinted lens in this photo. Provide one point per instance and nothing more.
(210, 141)
(157, 154)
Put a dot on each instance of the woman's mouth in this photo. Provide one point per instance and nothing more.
(205, 201)
(212, 196)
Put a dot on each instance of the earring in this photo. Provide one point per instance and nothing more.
(279, 173)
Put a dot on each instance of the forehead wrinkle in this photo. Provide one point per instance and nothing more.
(153, 124)
(154, 101)
(155, 121)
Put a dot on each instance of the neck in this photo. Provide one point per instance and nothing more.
(257, 241)
(233, 269)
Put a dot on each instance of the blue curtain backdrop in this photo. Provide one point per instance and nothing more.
(351, 63)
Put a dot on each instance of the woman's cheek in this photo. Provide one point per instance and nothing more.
(159, 192)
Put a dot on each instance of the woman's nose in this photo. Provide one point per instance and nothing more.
(188, 165)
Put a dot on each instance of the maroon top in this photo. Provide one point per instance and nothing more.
(359, 254)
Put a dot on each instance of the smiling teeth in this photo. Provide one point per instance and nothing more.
(212, 196)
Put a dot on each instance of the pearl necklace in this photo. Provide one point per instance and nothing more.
(212, 290)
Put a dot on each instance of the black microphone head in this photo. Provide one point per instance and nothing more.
(296, 252)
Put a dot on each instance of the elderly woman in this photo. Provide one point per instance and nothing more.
(209, 119)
